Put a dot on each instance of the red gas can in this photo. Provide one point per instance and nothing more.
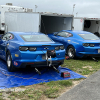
(65, 74)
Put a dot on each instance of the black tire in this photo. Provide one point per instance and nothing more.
(71, 52)
(10, 66)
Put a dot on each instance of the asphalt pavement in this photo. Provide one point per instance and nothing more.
(89, 89)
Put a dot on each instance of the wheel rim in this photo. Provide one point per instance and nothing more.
(8, 61)
(71, 52)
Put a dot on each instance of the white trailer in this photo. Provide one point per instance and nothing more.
(9, 8)
(38, 22)
(87, 24)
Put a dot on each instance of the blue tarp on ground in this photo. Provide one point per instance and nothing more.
(25, 76)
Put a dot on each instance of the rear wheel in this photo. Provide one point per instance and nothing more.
(10, 66)
(71, 52)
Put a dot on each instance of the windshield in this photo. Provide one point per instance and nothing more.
(35, 38)
(89, 36)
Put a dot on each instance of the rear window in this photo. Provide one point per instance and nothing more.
(35, 38)
(89, 36)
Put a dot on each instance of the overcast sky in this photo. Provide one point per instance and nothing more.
(85, 8)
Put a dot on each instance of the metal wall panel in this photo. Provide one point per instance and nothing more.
(23, 22)
(78, 24)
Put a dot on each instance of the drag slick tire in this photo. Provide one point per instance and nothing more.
(10, 66)
(71, 52)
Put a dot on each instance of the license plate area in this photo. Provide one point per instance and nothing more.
(51, 53)
(48, 54)
(98, 50)
(44, 57)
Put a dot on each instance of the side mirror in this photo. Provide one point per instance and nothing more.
(55, 33)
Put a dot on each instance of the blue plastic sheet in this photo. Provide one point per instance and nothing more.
(25, 76)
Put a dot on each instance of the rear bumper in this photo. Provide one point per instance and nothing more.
(89, 51)
(92, 54)
(38, 58)
(38, 64)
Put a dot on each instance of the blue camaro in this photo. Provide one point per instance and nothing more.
(78, 43)
(38, 50)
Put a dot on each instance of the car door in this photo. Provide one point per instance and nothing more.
(58, 37)
(0, 46)
(63, 38)
(4, 43)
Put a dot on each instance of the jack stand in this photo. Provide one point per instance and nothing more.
(37, 71)
(50, 61)
(94, 59)
(55, 69)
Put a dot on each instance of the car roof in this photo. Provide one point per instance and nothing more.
(77, 32)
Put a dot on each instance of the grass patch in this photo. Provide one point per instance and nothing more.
(82, 66)
(77, 79)
(22, 86)
(28, 94)
(65, 83)
(60, 83)
(42, 83)
(0, 94)
(51, 92)
(1, 98)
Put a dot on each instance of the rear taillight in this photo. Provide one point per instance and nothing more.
(32, 48)
(92, 45)
(21, 48)
(62, 47)
(88, 44)
(57, 48)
